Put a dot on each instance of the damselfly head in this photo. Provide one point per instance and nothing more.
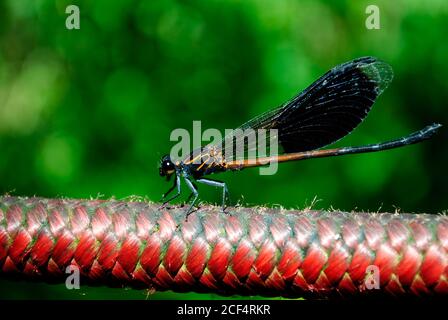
(167, 167)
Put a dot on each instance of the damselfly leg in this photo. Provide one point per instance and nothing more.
(169, 190)
(194, 193)
(176, 184)
(214, 183)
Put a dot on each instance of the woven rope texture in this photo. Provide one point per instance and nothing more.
(250, 251)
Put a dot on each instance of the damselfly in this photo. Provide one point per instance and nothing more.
(325, 112)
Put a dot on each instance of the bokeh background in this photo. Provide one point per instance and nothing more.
(88, 113)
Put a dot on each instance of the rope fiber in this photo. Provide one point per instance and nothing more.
(249, 251)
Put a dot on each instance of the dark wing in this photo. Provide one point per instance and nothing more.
(333, 105)
(326, 111)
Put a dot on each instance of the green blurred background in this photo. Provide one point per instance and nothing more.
(87, 113)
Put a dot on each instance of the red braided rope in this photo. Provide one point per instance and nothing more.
(250, 251)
